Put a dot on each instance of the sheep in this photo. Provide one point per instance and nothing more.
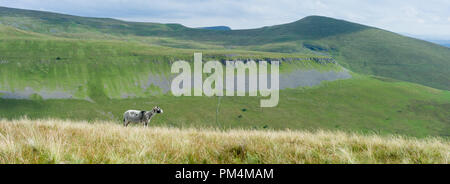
(137, 116)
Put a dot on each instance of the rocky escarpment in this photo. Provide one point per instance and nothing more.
(319, 60)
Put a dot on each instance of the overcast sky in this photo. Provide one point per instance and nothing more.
(429, 19)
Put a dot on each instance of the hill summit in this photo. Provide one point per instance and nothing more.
(222, 28)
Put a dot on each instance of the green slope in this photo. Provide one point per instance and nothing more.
(100, 60)
(80, 68)
(102, 71)
(360, 48)
(363, 104)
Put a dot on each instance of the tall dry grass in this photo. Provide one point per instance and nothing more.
(58, 141)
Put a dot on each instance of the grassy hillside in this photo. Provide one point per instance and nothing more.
(78, 68)
(53, 141)
(93, 68)
(362, 104)
(361, 48)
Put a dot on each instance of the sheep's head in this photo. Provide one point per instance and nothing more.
(157, 109)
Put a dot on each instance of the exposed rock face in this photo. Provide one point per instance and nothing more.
(163, 82)
(288, 60)
(28, 92)
(294, 79)
(303, 78)
(156, 84)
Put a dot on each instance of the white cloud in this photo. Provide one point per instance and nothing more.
(407, 16)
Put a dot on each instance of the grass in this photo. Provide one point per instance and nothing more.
(99, 60)
(99, 72)
(362, 104)
(57, 141)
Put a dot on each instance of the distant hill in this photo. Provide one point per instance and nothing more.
(363, 49)
(445, 43)
(222, 28)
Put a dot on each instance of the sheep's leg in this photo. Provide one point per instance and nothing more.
(146, 123)
(126, 123)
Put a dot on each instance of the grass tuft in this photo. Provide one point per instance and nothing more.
(58, 141)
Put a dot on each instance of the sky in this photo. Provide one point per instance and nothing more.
(428, 19)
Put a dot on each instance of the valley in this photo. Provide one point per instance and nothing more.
(334, 74)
